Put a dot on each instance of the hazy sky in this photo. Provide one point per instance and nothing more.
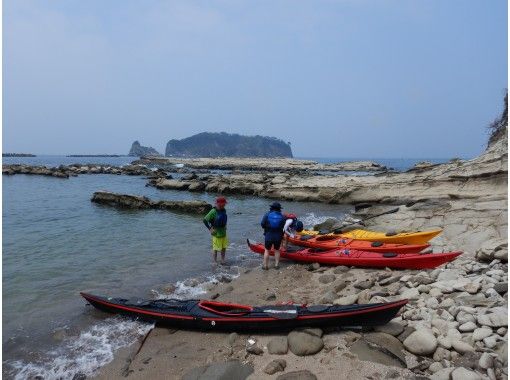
(345, 78)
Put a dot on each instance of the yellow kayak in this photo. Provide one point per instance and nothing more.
(418, 237)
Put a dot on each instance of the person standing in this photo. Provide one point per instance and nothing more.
(273, 223)
(216, 223)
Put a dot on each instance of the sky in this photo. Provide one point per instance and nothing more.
(344, 78)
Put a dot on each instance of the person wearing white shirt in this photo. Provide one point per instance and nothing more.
(291, 227)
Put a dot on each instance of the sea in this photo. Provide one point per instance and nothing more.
(56, 243)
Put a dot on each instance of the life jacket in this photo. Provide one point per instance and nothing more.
(220, 220)
(275, 220)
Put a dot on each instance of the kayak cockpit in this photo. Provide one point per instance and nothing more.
(227, 309)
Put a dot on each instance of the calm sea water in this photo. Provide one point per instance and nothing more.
(57, 243)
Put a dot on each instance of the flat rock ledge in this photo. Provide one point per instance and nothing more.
(140, 202)
(66, 171)
(262, 164)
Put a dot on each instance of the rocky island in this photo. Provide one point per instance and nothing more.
(208, 144)
(137, 150)
(18, 155)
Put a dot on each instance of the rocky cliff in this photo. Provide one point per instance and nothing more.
(138, 150)
(208, 144)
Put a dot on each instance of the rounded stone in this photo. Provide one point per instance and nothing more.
(421, 342)
(303, 344)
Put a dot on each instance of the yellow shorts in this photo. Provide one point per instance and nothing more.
(219, 243)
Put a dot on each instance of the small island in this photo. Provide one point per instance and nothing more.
(211, 144)
(95, 155)
(138, 150)
(18, 155)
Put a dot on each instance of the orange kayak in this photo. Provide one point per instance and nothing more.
(334, 242)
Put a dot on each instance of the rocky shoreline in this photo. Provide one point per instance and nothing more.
(66, 171)
(262, 164)
(453, 328)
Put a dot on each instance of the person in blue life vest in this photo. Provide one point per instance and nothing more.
(291, 227)
(273, 223)
(216, 223)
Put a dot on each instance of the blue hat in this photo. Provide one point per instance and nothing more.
(275, 206)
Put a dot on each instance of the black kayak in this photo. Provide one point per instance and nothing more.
(213, 315)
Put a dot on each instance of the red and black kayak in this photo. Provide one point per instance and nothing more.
(335, 242)
(357, 258)
(212, 315)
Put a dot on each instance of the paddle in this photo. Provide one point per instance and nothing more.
(392, 211)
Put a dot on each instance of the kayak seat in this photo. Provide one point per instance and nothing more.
(227, 309)
(376, 244)
(326, 238)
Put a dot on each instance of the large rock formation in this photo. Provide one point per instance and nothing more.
(140, 202)
(138, 150)
(223, 144)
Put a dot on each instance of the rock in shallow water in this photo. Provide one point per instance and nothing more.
(140, 202)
